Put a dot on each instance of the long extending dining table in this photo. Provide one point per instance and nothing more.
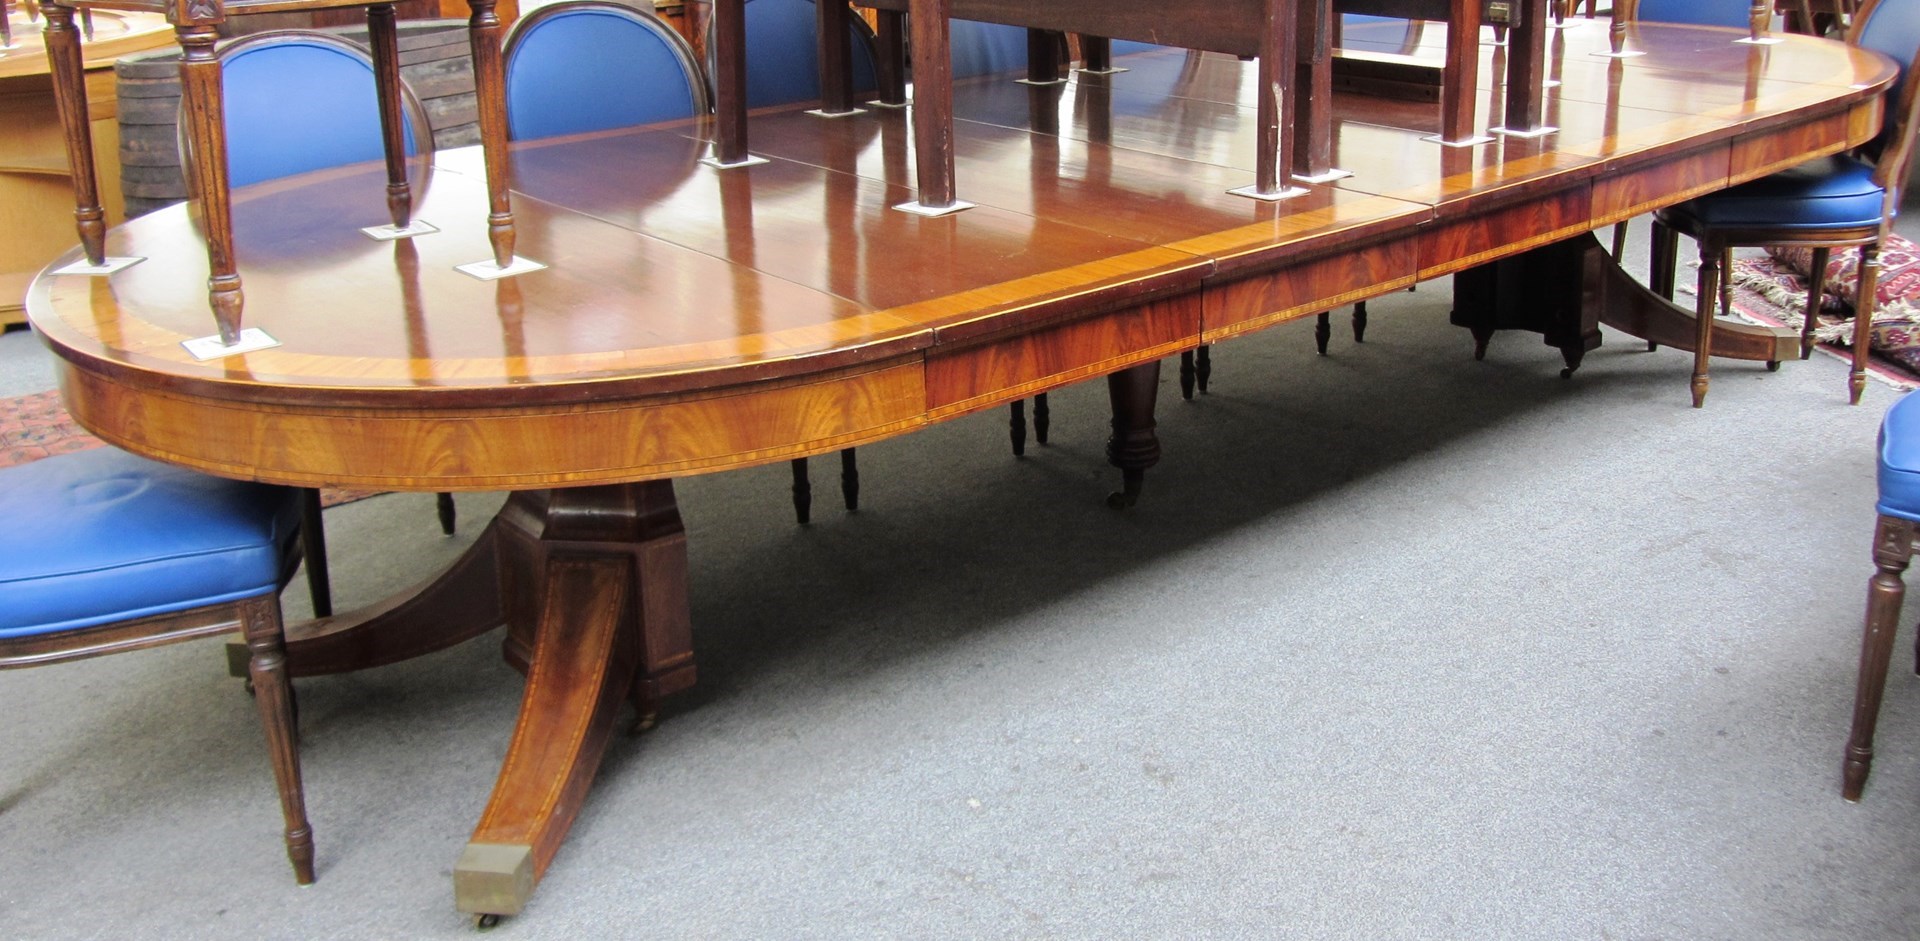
(693, 319)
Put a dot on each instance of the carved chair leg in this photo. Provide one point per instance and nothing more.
(443, 505)
(1360, 322)
(1042, 417)
(802, 492)
(1202, 367)
(1709, 291)
(1188, 374)
(1017, 426)
(1816, 285)
(850, 479)
(1892, 550)
(1863, 320)
(273, 694)
(1322, 331)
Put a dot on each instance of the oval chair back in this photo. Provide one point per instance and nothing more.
(1892, 28)
(1693, 12)
(593, 66)
(299, 101)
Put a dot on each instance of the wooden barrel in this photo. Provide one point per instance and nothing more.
(148, 88)
(435, 60)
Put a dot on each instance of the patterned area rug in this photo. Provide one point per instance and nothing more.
(1772, 289)
(36, 426)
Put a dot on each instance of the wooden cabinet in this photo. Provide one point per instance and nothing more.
(36, 191)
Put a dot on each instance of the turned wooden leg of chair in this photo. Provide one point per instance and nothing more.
(802, 492)
(1360, 322)
(1042, 417)
(313, 547)
(1017, 426)
(273, 693)
(850, 479)
(1187, 374)
(1816, 285)
(1709, 288)
(1202, 367)
(1322, 331)
(443, 504)
(1892, 549)
(1863, 321)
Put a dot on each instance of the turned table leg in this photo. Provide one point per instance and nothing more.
(1133, 447)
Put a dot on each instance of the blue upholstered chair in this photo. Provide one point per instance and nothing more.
(1842, 200)
(104, 552)
(1893, 540)
(298, 102)
(594, 66)
(1693, 12)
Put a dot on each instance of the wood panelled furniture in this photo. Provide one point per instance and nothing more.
(698, 318)
(36, 179)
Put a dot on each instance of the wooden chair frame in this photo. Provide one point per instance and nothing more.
(1716, 247)
(1893, 536)
(258, 619)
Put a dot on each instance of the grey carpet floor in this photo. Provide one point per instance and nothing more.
(1397, 645)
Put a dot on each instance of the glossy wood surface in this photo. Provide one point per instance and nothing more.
(695, 319)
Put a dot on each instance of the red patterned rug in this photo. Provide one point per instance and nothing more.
(1772, 289)
(36, 426)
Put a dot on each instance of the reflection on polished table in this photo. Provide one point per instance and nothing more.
(696, 319)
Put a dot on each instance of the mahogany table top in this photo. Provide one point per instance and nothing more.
(694, 319)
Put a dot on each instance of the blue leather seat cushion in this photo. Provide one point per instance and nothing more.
(101, 536)
(1900, 459)
(1831, 192)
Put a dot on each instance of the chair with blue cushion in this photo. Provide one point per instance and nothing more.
(593, 66)
(1837, 201)
(104, 552)
(1893, 543)
(298, 102)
